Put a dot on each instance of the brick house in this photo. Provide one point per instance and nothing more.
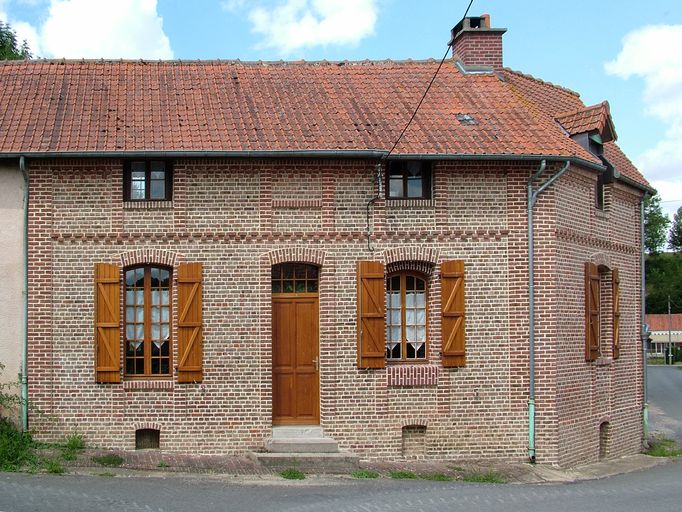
(220, 249)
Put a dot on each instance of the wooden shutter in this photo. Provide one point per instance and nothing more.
(371, 315)
(592, 305)
(615, 295)
(452, 313)
(107, 323)
(190, 331)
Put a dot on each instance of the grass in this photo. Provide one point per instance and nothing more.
(365, 473)
(403, 475)
(655, 360)
(163, 464)
(663, 447)
(73, 445)
(436, 477)
(16, 447)
(53, 466)
(106, 473)
(488, 477)
(292, 474)
(110, 460)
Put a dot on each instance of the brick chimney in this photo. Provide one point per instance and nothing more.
(476, 45)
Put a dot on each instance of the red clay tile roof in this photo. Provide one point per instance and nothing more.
(587, 119)
(88, 106)
(660, 322)
(123, 106)
(554, 100)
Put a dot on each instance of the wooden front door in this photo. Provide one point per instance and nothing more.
(295, 345)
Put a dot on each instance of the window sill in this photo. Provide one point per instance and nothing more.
(601, 214)
(147, 385)
(412, 375)
(147, 205)
(409, 203)
(603, 361)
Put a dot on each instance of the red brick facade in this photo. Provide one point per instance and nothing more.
(240, 217)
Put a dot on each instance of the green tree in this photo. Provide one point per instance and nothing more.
(675, 239)
(655, 224)
(10, 49)
(663, 279)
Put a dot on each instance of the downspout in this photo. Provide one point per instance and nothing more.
(645, 330)
(370, 205)
(532, 199)
(24, 358)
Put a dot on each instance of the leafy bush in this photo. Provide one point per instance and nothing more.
(403, 475)
(489, 477)
(16, 447)
(436, 477)
(662, 447)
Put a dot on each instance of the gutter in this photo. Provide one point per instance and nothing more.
(323, 153)
(24, 357)
(532, 199)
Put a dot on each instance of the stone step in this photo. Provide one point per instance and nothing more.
(302, 445)
(297, 432)
(320, 463)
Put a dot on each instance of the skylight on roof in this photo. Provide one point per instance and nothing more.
(466, 119)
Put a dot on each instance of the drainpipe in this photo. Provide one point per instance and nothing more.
(645, 329)
(24, 357)
(532, 199)
(370, 205)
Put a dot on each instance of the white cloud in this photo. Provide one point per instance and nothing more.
(653, 54)
(232, 5)
(296, 24)
(96, 29)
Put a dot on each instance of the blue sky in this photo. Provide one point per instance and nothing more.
(568, 43)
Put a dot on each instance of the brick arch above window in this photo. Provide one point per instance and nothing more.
(412, 253)
(150, 256)
(415, 422)
(296, 254)
(147, 425)
(422, 267)
(601, 259)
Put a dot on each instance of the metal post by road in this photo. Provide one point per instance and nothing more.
(670, 335)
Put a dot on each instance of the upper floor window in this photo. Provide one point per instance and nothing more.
(408, 179)
(147, 181)
(405, 317)
(147, 321)
(599, 192)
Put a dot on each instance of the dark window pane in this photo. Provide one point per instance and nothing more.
(421, 285)
(395, 353)
(414, 169)
(155, 277)
(138, 167)
(409, 351)
(158, 175)
(300, 286)
(158, 189)
(409, 283)
(395, 187)
(414, 187)
(312, 286)
(421, 353)
(130, 277)
(276, 271)
(139, 278)
(312, 272)
(164, 277)
(130, 366)
(288, 287)
(299, 271)
(288, 270)
(164, 367)
(395, 283)
(276, 287)
(158, 166)
(165, 348)
(156, 366)
(139, 366)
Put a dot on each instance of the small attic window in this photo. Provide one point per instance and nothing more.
(466, 119)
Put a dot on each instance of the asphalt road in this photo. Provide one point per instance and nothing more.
(665, 401)
(656, 490)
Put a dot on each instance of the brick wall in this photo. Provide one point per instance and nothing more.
(239, 217)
